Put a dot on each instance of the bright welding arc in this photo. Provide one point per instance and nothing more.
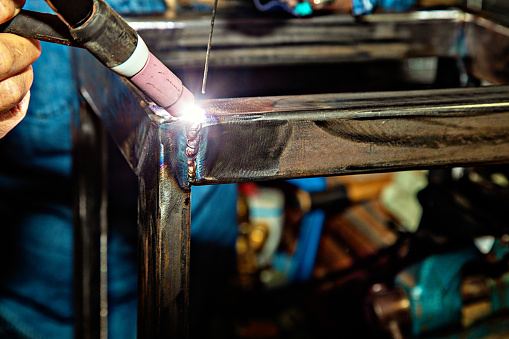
(207, 56)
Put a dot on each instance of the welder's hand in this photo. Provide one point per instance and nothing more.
(16, 56)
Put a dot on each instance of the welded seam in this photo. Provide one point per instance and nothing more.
(192, 149)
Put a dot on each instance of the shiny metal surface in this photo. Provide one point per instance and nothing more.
(297, 136)
(163, 248)
(289, 137)
(332, 39)
(486, 44)
(263, 138)
(249, 41)
(151, 143)
(91, 226)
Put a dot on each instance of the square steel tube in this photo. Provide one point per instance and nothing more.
(247, 139)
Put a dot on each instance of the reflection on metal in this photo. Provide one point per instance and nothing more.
(90, 231)
(192, 149)
(163, 203)
(246, 139)
(270, 41)
(283, 137)
(163, 248)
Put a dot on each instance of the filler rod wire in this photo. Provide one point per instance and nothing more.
(207, 56)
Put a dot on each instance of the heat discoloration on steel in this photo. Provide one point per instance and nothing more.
(163, 239)
(298, 136)
(192, 149)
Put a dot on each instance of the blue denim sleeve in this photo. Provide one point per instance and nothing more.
(217, 206)
(362, 7)
(131, 7)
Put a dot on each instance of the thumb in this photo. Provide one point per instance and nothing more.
(9, 8)
(11, 118)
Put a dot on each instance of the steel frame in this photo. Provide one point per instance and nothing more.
(249, 139)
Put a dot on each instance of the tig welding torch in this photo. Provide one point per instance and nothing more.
(95, 26)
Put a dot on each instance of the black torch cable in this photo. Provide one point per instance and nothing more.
(73, 12)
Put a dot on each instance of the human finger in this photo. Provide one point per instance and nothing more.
(16, 53)
(14, 89)
(9, 119)
(9, 8)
